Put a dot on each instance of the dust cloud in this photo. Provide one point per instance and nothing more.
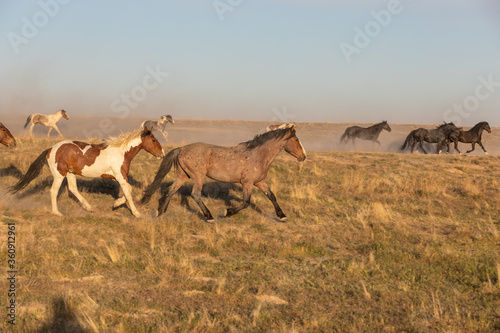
(324, 136)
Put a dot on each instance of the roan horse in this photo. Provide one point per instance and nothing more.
(471, 136)
(107, 160)
(246, 163)
(6, 138)
(440, 135)
(46, 120)
(370, 133)
(159, 125)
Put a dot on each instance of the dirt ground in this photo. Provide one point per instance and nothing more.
(323, 136)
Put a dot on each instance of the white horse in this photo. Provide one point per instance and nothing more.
(46, 120)
(159, 125)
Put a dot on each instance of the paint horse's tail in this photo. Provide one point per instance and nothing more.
(172, 159)
(34, 171)
(408, 140)
(27, 121)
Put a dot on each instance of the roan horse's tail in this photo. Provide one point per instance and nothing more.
(409, 138)
(34, 171)
(27, 121)
(172, 159)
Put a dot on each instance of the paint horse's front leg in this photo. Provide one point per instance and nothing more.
(127, 192)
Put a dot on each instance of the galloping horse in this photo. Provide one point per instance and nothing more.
(246, 163)
(46, 120)
(440, 135)
(6, 138)
(471, 136)
(107, 160)
(370, 133)
(159, 125)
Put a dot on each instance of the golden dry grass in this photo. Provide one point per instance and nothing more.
(374, 242)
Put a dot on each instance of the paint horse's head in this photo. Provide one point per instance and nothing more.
(150, 144)
(64, 114)
(168, 118)
(293, 146)
(6, 138)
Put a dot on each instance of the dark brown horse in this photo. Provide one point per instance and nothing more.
(365, 133)
(246, 163)
(471, 136)
(6, 138)
(440, 135)
(106, 160)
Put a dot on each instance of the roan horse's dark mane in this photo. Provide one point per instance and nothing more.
(261, 139)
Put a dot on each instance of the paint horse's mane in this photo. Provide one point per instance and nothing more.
(261, 139)
(124, 139)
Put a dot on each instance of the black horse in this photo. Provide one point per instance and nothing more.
(442, 135)
(471, 136)
(369, 133)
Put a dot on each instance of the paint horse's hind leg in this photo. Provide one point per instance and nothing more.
(50, 130)
(267, 191)
(74, 189)
(31, 128)
(247, 193)
(196, 194)
(54, 191)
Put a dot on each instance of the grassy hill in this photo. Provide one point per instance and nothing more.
(374, 242)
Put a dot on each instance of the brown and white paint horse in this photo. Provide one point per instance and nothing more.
(6, 138)
(107, 160)
(46, 120)
(246, 163)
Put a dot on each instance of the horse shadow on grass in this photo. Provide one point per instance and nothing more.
(92, 185)
(215, 190)
(11, 171)
(63, 319)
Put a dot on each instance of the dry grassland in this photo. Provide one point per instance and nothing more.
(374, 242)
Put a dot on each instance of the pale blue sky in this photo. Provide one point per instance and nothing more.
(267, 59)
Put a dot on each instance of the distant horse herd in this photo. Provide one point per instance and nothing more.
(246, 163)
(443, 135)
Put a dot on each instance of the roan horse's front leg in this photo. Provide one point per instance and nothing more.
(267, 191)
(247, 194)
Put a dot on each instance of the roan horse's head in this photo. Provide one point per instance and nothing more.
(6, 138)
(150, 144)
(293, 146)
(64, 114)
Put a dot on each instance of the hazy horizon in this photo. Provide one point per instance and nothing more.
(270, 60)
